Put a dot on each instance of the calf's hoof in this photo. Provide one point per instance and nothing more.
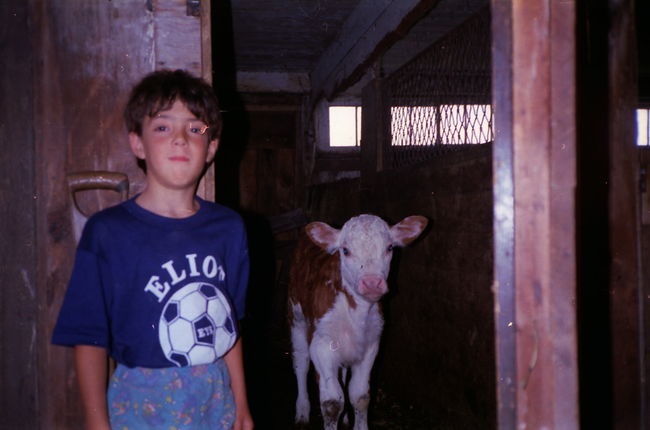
(302, 413)
(331, 410)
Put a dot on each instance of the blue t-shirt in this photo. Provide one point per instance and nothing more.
(156, 291)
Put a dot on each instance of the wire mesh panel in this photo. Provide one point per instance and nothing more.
(441, 99)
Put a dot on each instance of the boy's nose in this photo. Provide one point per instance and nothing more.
(180, 137)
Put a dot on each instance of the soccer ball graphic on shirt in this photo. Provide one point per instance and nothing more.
(196, 325)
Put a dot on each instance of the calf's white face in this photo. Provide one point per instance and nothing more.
(365, 246)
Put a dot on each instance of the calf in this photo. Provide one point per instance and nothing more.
(336, 280)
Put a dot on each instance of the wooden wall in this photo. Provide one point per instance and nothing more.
(78, 99)
(611, 333)
(19, 309)
(72, 65)
(267, 169)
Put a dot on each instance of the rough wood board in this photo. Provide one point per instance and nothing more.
(546, 344)
(91, 53)
(18, 305)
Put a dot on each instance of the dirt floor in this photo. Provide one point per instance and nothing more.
(272, 388)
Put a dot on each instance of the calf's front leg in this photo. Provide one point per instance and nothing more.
(359, 388)
(326, 364)
(300, 365)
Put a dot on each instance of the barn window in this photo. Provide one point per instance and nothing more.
(338, 125)
(451, 124)
(344, 126)
(427, 95)
(643, 127)
(440, 99)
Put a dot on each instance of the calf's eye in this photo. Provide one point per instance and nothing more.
(390, 248)
(345, 251)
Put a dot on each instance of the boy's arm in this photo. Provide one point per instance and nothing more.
(235, 363)
(91, 366)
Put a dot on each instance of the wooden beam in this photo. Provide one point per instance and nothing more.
(562, 204)
(503, 191)
(272, 82)
(544, 179)
(176, 37)
(327, 162)
(19, 308)
(535, 251)
(370, 28)
(624, 226)
(206, 188)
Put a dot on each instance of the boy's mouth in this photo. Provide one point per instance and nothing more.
(179, 158)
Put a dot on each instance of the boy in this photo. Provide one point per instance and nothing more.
(160, 280)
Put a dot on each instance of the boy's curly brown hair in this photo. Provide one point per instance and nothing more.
(159, 90)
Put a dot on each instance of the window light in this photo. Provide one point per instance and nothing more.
(345, 126)
(642, 127)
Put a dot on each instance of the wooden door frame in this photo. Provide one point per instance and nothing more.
(534, 207)
(626, 303)
(535, 157)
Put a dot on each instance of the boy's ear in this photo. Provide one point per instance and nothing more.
(137, 147)
(213, 145)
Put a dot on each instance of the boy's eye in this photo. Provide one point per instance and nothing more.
(199, 128)
(161, 128)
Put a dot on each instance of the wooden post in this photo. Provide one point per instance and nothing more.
(534, 166)
(207, 186)
(19, 311)
(504, 282)
(375, 131)
(624, 226)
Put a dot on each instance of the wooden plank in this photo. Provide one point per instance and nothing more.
(624, 224)
(503, 191)
(644, 169)
(288, 221)
(273, 82)
(543, 160)
(337, 162)
(18, 305)
(595, 358)
(206, 188)
(531, 83)
(371, 130)
(183, 42)
(365, 35)
(375, 132)
(176, 37)
(562, 186)
(445, 17)
(90, 54)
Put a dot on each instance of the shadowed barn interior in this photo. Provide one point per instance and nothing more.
(511, 126)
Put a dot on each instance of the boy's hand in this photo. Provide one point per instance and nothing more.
(234, 362)
(243, 422)
(98, 426)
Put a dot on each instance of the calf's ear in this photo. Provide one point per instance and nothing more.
(408, 229)
(323, 235)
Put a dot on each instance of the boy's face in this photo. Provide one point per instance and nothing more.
(175, 146)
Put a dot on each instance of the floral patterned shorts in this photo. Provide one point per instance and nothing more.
(175, 398)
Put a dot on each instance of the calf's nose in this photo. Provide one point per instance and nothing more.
(373, 287)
